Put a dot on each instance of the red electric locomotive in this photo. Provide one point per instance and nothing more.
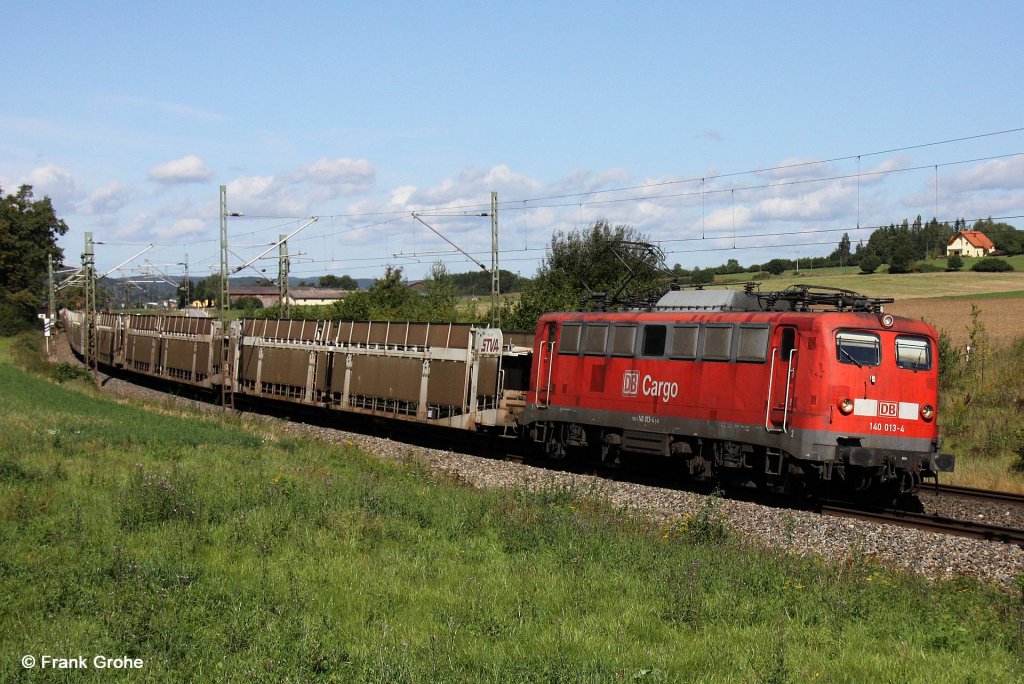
(807, 387)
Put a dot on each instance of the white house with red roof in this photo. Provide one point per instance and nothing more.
(970, 243)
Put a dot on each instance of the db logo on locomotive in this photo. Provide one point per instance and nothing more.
(630, 383)
(631, 386)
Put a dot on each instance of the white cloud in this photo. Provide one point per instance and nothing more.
(109, 199)
(141, 223)
(52, 181)
(189, 169)
(357, 174)
(995, 174)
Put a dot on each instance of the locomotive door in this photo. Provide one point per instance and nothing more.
(779, 406)
(545, 364)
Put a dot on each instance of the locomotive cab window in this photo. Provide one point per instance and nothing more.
(570, 340)
(654, 340)
(595, 339)
(913, 353)
(684, 342)
(858, 348)
(717, 342)
(753, 344)
(623, 340)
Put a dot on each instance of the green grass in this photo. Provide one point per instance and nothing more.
(219, 549)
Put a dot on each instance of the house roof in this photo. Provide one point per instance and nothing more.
(316, 293)
(253, 291)
(975, 237)
(294, 292)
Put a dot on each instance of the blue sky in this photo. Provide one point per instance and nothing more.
(131, 115)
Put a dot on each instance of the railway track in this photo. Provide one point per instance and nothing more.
(929, 522)
(976, 494)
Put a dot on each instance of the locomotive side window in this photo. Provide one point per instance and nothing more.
(753, 343)
(623, 340)
(595, 338)
(858, 348)
(914, 353)
(717, 342)
(570, 341)
(684, 342)
(654, 340)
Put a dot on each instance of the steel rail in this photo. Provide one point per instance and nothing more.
(972, 493)
(930, 523)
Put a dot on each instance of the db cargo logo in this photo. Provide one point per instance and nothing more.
(630, 383)
(888, 409)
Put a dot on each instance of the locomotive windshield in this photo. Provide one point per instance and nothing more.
(913, 353)
(860, 349)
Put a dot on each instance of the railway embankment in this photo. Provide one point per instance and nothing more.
(266, 548)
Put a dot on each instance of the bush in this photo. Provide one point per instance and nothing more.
(925, 267)
(247, 303)
(954, 262)
(992, 265)
(869, 263)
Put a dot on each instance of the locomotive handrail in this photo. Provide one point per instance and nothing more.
(551, 359)
(551, 365)
(771, 383)
(789, 382)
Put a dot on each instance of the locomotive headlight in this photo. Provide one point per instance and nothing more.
(927, 412)
(846, 407)
(887, 321)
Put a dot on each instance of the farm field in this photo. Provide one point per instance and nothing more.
(906, 285)
(216, 549)
(1003, 317)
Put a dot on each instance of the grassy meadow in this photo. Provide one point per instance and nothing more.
(216, 549)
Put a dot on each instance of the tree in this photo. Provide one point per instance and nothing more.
(581, 262)
(441, 298)
(841, 255)
(344, 282)
(901, 253)
(869, 263)
(28, 235)
(777, 266)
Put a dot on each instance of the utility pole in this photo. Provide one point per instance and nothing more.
(51, 308)
(495, 272)
(224, 293)
(282, 276)
(89, 269)
(188, 284)
(227, 389)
